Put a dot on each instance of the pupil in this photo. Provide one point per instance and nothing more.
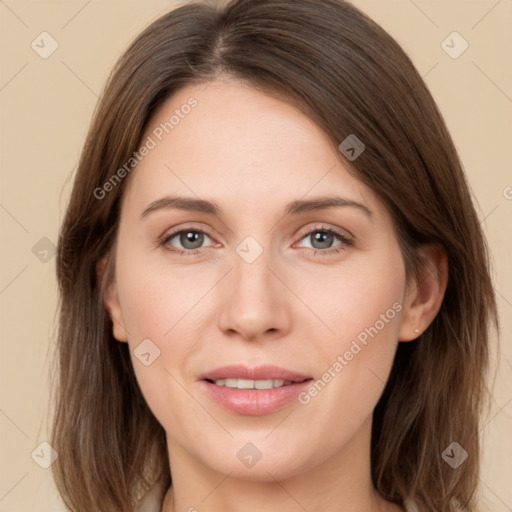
(191, 237)
(326, 238)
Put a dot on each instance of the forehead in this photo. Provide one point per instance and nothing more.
(226, 139)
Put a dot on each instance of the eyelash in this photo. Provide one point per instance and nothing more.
(345, 241)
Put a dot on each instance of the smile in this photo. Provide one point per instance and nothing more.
(253, 391)
(252, 384)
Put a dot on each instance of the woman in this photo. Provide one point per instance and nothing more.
(275, 291)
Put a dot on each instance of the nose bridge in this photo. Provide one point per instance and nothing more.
(253, 301)
(251, 272)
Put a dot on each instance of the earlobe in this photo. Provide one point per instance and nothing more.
(425, 295)
(111, 299)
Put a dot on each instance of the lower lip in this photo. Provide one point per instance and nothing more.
(254, 402)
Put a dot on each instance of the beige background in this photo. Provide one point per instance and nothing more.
(46, 106)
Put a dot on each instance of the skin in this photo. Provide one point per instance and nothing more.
(253, 154)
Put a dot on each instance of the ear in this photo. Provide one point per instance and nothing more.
(425, 294)
(110, 298)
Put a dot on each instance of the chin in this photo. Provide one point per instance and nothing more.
(265, 465)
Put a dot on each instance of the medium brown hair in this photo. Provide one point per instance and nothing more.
(349, 76)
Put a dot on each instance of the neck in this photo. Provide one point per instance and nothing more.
(340, 483)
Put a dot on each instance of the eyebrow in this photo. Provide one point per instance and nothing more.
(296, 207)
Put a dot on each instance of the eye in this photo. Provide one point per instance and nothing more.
(322, 238)
(191, 240)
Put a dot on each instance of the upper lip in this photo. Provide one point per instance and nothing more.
(243, 371)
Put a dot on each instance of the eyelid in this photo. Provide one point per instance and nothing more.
(321, 226)
(168, 234)
(345, 242)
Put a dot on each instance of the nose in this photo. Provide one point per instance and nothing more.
(254, 301)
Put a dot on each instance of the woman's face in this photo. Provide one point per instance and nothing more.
(260, 287)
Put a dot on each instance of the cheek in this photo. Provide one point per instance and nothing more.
(156, 299)
(360, 308)
(363, 295)
(157, 308)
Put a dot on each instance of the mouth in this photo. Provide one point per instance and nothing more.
(253, 384)
(253, 391)
(245, 373)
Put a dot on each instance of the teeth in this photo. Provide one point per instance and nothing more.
(252, 384)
